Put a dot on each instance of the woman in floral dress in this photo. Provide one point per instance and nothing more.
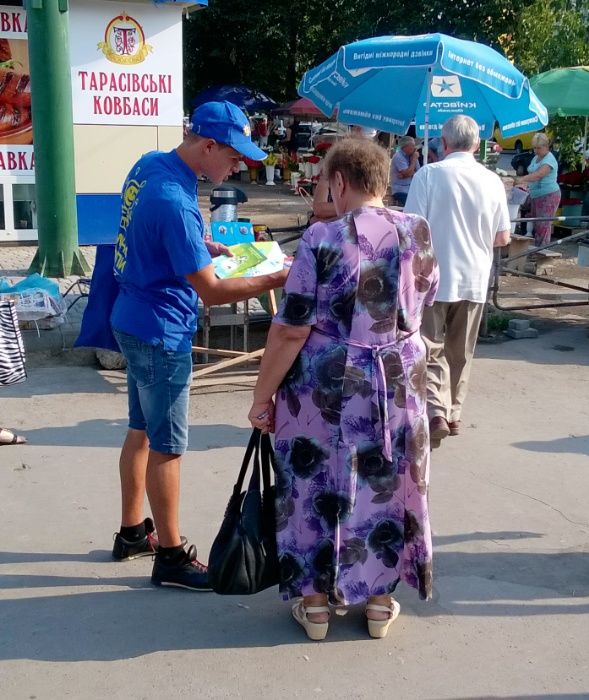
(347, 365)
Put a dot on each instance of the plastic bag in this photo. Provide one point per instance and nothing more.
(34, 304)
(35, 297)
(517, 196)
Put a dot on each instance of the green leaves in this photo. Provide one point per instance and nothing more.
(268, 45)
(551, 34)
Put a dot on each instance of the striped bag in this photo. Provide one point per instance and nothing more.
(12, 351)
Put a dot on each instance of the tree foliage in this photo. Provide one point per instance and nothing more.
(270, 44)
(549, 34)
(553, 34)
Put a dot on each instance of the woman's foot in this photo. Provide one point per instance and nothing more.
(381, 612)
(312, 613)
(8, 437)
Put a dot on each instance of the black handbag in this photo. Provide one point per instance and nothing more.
(243, 558)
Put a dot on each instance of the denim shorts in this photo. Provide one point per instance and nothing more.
(158, 383)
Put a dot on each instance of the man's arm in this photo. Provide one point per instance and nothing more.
(417, 196)
(503, 235)
(214, 291)
(409, 171)
(502, 238)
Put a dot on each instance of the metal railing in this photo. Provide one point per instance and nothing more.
(500, 266)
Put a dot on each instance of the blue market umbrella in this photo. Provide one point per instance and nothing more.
(240, 95)
(389, 81)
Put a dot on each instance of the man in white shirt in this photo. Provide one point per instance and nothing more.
(466, 207)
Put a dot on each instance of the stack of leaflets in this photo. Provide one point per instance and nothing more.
(250, 260)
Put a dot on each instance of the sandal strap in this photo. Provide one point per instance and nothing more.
(380, 608)
(314, 609)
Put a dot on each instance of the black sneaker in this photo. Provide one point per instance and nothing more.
(184, 572)
(124, 550)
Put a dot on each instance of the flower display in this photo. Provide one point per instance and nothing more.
(252, 163)
(292, 163)
(273, 157)
(322, 148)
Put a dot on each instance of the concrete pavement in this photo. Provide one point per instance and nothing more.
(510, 617)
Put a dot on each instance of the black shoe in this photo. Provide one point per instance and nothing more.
(183, 572)
(124, 550)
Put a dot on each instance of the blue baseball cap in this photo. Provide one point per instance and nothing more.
(227, 124)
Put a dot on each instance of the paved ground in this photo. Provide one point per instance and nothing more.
(511, 608)
(510, 617)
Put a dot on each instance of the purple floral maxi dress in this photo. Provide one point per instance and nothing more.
(352, 442)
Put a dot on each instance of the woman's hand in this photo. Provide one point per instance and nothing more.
(261, 416)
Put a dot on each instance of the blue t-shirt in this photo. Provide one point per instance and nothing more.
(548, 183)
(160, 241)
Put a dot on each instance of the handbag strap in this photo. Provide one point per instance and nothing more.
(268, 458)
(253, 447)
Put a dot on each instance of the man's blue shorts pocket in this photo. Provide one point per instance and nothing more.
(140, 358)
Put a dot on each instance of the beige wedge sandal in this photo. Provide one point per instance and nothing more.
(378, 629)
(315, 630)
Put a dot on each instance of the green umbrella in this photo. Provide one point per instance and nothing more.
(565, 93)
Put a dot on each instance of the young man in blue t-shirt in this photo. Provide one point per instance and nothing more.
(163, 265)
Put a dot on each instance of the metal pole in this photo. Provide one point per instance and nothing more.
(58, 254)
(427, 109)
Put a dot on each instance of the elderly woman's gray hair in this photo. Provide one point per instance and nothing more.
(461, 133)
(540, 139)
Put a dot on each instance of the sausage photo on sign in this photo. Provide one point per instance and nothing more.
(15, 93)
(5, 53)
(15, 89)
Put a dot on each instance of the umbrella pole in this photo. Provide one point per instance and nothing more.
(585, 137)
(427, 101)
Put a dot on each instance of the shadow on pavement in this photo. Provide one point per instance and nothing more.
(501, 535)
(48, 381)
(558, 343)
(106, 433)
(123, 624)
(138, 619)
(573, 444)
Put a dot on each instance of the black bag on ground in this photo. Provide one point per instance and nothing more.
(243, 558)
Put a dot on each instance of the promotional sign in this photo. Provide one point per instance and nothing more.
(16, 127)
(126, 64)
